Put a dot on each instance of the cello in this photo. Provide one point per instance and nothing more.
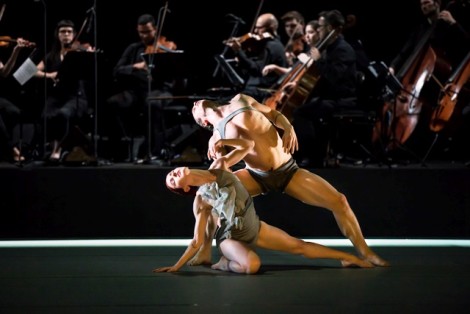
(399, 116)
(305, 76)
(448, 98)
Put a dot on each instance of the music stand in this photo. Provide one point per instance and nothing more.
(76, 66)
(166, 65)
(162, 67)
(232, 75)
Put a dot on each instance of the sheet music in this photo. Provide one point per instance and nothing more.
(25, 72)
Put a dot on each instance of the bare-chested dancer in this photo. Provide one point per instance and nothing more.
(271, 167)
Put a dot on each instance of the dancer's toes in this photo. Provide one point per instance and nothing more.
(357, 263)
(377, 261)
(222, 264)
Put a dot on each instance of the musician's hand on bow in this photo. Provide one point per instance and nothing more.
(233, 43)
(140, 66)
(20, 42)
(90, 49)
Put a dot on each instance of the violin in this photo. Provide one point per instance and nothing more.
(6, 41)
(249, 40)
(163, 45)
(78, 46)
(296, 44)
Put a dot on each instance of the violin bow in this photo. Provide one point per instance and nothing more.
(85, 22)
(81, 30)
(2, 10)
(298, 29)
(161, 21)
(256, 16)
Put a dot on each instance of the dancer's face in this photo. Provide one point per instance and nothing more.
(176, 179)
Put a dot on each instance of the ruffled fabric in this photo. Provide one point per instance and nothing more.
(223, 202)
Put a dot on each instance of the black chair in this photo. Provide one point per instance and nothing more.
(350, 136)
(351, 129)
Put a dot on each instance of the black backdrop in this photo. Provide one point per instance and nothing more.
(198, 27)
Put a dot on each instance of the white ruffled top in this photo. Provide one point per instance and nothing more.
(223, 201)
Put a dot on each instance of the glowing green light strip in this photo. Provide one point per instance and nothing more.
(184, 242)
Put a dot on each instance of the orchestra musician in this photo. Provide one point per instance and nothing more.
(448, 41)
(294, 25)
(132, 77)
(312, 38)
(253, 55)
(459, 11)
(9, 112)
(335, 88)
(66, 102)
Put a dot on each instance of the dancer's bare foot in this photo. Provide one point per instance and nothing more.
(222, 264)
(202, 257)
(357, 262)
(370, 256)
(376, 260)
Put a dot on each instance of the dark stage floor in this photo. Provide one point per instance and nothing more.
(109, 279)
(126, 201)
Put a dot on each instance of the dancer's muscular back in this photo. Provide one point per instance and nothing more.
(257, 125)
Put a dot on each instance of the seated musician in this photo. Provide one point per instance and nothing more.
(10, 114)
(130, 101)
(294, 27)
(66, 101)
(335, 89)
(434, 49)
(311, 38)
(253, 55)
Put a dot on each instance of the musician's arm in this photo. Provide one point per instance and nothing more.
(42, 73)
(274, 68)
(6, 68)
